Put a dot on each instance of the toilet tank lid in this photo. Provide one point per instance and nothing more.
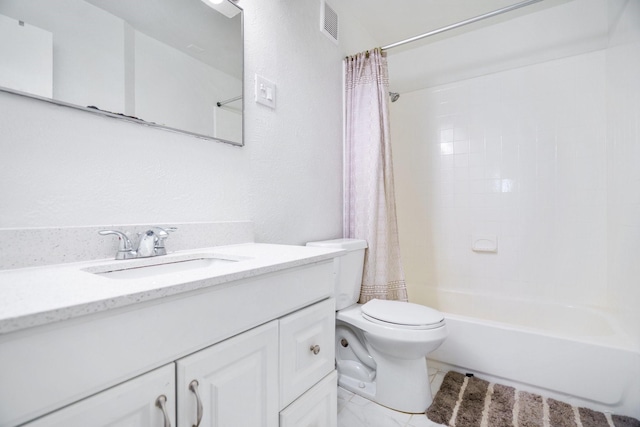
(347, 244)
(402, 313)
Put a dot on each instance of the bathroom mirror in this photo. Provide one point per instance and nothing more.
(172, 64)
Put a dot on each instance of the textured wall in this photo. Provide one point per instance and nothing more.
(295, 151)
(61, 167)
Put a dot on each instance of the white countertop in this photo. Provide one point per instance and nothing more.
(40, 295)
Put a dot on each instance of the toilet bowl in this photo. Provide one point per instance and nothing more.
(399, 377)
(381, 346)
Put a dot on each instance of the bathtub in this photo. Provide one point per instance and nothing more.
(575, 354)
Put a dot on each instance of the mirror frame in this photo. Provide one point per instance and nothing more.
(150, 124)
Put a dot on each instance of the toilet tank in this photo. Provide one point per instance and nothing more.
(347, 269)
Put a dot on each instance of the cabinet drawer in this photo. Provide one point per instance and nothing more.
(307, 349)
(317, 407)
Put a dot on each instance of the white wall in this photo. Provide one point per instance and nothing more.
(545, 157)
(61, 167)
(295, 190)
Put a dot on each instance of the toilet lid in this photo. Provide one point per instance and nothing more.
(413, 316)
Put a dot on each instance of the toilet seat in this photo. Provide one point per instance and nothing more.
(403, 315)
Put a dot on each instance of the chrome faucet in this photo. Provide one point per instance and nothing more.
(146, 244)
(151, 243)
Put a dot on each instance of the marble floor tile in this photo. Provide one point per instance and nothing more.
(343, 398)
(356, 411)
(436, 382)
(421, 420)
(360, 412)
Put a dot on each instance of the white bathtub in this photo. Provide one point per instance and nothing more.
(578, 355)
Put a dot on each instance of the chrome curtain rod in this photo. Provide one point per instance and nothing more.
(226, 101)
(462, 23)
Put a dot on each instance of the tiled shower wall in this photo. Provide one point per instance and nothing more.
(544, 157)
(519, 155)
(623, 169)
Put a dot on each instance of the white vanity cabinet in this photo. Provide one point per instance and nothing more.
(246, 343)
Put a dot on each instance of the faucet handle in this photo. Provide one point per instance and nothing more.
(162, 234)
(125, 250)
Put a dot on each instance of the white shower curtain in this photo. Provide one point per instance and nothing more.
(370, 211)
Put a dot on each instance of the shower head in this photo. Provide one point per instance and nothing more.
(394, 96)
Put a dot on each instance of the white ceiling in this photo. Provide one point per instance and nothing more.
(466, 52)
(389, 21)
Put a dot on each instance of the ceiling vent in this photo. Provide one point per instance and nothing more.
(328, 21)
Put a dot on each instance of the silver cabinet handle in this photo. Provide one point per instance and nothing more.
(160, 403)
(315, 349)
(193, 386)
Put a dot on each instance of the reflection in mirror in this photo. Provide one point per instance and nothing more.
(176, 64)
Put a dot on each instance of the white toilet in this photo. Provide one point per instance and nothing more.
(381, 346)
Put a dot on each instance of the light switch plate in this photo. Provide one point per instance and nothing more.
(265, 92)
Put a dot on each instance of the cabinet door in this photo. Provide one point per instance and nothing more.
(318, 407)
(131, 404)
(307, 349)
(236, 382)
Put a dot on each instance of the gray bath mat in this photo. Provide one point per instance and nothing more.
(471, 402)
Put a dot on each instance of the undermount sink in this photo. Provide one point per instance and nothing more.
(158, 266)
